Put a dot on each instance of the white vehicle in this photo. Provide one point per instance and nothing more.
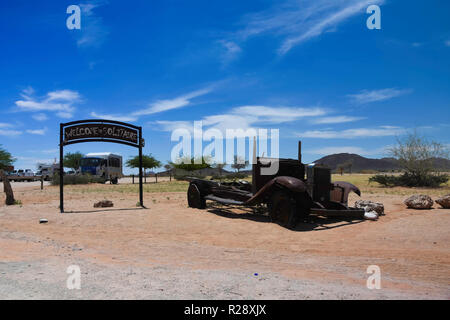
(105, 165)
(28, 173)
(47, 170)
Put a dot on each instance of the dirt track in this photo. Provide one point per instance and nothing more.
(170, 251)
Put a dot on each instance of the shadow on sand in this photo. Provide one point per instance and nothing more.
(107, 210)
(312, 223)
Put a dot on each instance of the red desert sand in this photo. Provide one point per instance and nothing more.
(170, 251)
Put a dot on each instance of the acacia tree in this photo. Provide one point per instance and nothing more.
(346, 165)
(220, 167)
(73, 160)
(239, 163)
(6, 160)
(417, 156)
(192, 164)
(148, 162)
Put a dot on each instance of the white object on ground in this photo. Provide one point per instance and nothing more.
(371, 215)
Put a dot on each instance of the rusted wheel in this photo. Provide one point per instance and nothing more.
(195, 198)
(283, 209)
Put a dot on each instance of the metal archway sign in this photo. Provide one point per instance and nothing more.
(99, 131)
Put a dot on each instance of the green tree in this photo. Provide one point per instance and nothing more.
(169, 169)
(73, 160)
(148, 162)
(192, 164)
(6, 160)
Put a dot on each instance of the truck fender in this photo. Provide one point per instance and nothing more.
(291, 184)
(348, 187)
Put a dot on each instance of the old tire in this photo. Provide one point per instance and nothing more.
(283, 209)
(195, 198)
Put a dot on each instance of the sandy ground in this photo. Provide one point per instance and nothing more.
(170, 251)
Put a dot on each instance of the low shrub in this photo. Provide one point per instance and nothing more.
(186, 177)
(236, 176)
(368, 171)
(409, 180)
(77, 179)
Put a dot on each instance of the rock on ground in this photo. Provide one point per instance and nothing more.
(444, 201)
(104, 204)
(369, 206)
(419, 201)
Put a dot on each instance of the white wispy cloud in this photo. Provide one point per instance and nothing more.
(39, 132)
(9, 133)
(245, 117)
(50, 151)
(40, 117)
(297, 21)
(113, 117)
(336, 119)
(93, 32)
(31, 162)
(232, 50)
(367, 96)
(7, 129)
(61, 102)
(170, 126)
(382, 131)
(269, 114)
(156, 107)
(447, 43)
(170, 104)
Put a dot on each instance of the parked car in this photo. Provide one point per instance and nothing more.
(28, 173)
(12, 173)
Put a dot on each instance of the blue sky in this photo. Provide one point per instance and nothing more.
(312, 69)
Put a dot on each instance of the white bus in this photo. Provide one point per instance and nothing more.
(105, 165)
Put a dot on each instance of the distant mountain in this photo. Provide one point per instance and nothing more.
(361, 163)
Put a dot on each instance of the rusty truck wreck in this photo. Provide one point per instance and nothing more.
(294, 192)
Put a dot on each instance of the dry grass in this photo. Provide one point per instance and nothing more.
(362, 182)
(165, 186)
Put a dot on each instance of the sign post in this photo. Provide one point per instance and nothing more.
(99, 131)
